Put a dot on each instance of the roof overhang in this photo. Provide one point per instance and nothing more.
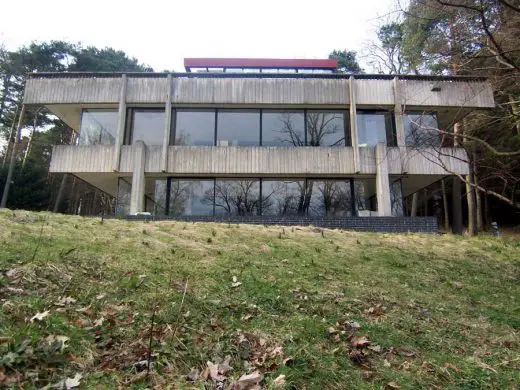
(259, 63)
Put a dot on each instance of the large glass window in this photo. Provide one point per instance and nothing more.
(283, 128)
(238, 128)
(148, 126)
(329, 198)
(283, 197)
(98, 127)
(375, 127)
(396, 198)
(365, 197)
(420, 130)
(124, 190)
(191, 197)
(195, 127)
(327, 128)
(237, 197)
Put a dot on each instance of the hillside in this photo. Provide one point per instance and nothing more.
(324, 308)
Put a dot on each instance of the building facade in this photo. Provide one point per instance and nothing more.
(260, 140)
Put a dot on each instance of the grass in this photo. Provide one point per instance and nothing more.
(325, 308)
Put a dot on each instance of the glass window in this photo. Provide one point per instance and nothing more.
(237, 197)
(148, 126)
(124, 190)
(327, 128)
(396, 198)
(98, 127)
(238, 128)
(375, 127)
(283, 197)
(159, 196)
(329, 198)
(195, 127)
(420, 129)
(191, 197)
(283, 128)
(365, 197)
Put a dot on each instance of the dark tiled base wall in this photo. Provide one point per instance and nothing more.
(363, 224)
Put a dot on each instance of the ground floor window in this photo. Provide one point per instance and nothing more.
(283, 197)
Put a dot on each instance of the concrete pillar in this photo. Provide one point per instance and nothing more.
(121, 122)
(398, 113)
(384, 206)
(167, 124)
(138, 179)
(353, 122)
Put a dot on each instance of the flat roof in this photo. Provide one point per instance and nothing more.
(260, 63)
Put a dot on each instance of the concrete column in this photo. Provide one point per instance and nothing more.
(121, 122)
(398, 112)
(353, 122)
(384, 207)
(167, 124)
(138, 179)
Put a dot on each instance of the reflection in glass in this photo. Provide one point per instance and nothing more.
(283, 128)
(237, 197)
(195, 127)
(238, 128)
(191, 197)
(375, 127)
(148, 126)
(326, 128)
(329, 198)
(365, 197)
(421, 130)
(98, 127)
(396, 198)
(124, 190)
(280, 197)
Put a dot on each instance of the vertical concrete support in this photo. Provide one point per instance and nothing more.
(384, 207)
(121, 121)
(138, 179)
(167, 124)
(398, 112)
(353, 122)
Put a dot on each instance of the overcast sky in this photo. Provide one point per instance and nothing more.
(162, 33)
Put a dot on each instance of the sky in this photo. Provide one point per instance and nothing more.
(162, 33)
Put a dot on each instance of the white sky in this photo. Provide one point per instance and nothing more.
(162, 33)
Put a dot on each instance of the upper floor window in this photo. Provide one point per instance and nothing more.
(238, 128)
(375, 127)
(421, 129)
(98, 127)
(327, 128)
(147, 125)
(194, 127)
(283, 128)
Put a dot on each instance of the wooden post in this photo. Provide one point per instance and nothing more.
(12, 161)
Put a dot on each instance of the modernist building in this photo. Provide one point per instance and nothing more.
(266, 140)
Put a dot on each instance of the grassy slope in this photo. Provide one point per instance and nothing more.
(443, 309)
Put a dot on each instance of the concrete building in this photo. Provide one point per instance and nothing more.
(261, 140)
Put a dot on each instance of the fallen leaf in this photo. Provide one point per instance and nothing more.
(40, 316)
(392, 385)
(235, 283)
(360, 342)
(69, 383)
(279, 381)
(99, 321)
(65, 301)
(375, 348)
(357, 357)
(386, 363)
(224, 367)
(213, 371)
(249, 380)
(61, 341)
(101, 296)
(454, 368)
(87, 310)
(353, 325)
(193, 375)
(406, 352)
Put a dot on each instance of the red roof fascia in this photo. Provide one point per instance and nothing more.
(258, 63)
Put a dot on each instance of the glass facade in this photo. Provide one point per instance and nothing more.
(147, 126)
(124, 191)
(396, 198)
(98, 127)
(327, 128)
(420, 130)
(237, 197)
(375, 127)
(238, 128)
(283, 128)
(194, 127)
(283, 197)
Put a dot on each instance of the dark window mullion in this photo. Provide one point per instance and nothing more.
(261, 113)
(305, 125)
(173, 127)
(353, 198)
(216, 124)
(168, 194)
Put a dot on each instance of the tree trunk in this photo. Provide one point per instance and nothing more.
(60, 193)
(470, 196)
(516, 113)
(4, 96)
(9, 139)
(456, 201)
(71, 196)
(12, 161)
(478, 197)
(415, 201)
(445, 206)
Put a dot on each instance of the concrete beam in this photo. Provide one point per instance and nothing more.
(353, 123)
(384, 206)
(121, 122)
(167, 125)
(138, 179)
